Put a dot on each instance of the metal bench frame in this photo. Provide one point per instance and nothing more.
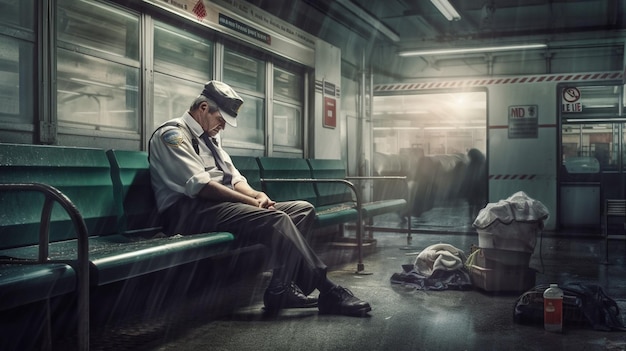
(612, 208)
(53, 195)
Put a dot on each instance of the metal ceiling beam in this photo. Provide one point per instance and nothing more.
(370, 19)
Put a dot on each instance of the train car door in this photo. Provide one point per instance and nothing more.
(592, 153)
(438, 141)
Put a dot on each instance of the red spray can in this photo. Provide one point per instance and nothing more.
(553, 309)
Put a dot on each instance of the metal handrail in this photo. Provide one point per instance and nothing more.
(377, 177)
(53, 195)
(359, 207)
(409, 237)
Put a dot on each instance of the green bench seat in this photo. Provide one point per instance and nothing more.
(333, 193)
(70, 220)
(324, 184)
(290, 179)
(115, 258)
(380, 207)
(22, 284)
(116, 204)
(335, 169)
(321, 182)
(272, 168)
(249, 168)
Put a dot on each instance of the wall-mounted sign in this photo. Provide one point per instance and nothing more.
(244, 29)
(523, 121)
(570, 100)
(329, 89)
(330, 112)
(329, 92)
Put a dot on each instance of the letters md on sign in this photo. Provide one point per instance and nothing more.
(523, 121)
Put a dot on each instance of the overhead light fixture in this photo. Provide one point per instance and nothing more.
(446, 9)
(471, 50)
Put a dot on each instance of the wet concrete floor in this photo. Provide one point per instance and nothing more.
(402, 318)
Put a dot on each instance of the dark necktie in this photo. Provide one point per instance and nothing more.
(218, 160)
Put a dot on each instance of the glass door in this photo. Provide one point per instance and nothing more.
(438, 140)
(592, 154)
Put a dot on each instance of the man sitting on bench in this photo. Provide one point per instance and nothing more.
(198, 189)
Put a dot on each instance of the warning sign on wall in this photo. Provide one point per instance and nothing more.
(523, 121)
(570, 100)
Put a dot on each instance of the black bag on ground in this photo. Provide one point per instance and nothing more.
(583, 304)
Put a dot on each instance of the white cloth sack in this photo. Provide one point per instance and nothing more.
(518, 207)
(439, 257)
(511, 224)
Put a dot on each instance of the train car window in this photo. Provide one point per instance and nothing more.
(183, 62)
(17, 58)
(253, 128)
(250, 131)
(287, 85)
(172, 96)
(590, 131)
(586, 148)
(243, 71)
(96, 26)
(18, 13)
(182, 54)
(16, 105)
(287, 111)
(287, 127)
(96, 94)
(97, 70)
(246, 75)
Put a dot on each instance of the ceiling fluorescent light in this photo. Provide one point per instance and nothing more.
(446, 9)
(471, 50)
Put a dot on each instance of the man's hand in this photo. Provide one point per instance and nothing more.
(264, 201)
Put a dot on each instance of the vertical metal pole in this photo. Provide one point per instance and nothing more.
(146, 98)
(306, 115)
(359, 141)
(620, 142)
(46, 113)
(360, 117)
(269, 108)
(370, 133)
(620, 162)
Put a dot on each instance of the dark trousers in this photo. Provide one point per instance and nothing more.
(283, 231)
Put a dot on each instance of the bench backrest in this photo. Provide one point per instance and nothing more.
(130, 173)
(287, 168)
(83, 174)
(249, 168)
(330, 193)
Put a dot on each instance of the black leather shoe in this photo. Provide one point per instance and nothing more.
(339, 300)
(289, 296)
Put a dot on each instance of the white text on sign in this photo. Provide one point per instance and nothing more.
(575, 107)
(526, 111)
